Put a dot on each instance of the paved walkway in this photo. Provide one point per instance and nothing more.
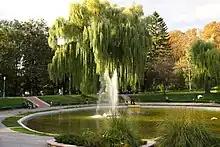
(9, 138)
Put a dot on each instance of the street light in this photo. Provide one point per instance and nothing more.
(4, 78)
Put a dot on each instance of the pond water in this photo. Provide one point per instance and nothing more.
(145, 120)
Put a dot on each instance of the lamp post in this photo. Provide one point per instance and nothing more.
(4, 78)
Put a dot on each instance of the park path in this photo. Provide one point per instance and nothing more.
(9, 138)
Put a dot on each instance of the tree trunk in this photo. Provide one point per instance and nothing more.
(207, 89)
(70, 84)
(164, 89)
(190, 82)
(207, 85)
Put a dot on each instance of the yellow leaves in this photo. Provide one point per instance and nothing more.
(78, 15)
(127, 12)
(178, 44)
(211, 32)
(93, 6)
(134, 10)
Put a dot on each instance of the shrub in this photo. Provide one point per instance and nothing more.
(93, 139)
(185, 128)
(74, 139)
(120, 131)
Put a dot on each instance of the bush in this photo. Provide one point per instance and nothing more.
(185, 128)
(73, 139)
(86, 139)
(120, 132)
(93, 139)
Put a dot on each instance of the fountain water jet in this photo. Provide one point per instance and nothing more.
(109, 87)
(114, 93)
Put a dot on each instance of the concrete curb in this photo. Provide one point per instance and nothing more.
(53, 143)
(26, 118)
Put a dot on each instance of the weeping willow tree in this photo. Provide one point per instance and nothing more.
(98, 36)
(206, 59)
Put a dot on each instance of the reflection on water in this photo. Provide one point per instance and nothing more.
(146, 121)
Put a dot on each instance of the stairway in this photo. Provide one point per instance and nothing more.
(37, 102)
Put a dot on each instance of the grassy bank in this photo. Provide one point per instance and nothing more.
(12, 123)
(11, 103)
(17, 102)
(177, 97)
(58, 100)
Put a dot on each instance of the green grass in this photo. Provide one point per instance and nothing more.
(176, 97)
(182, 96)
(11, 103)
(13, 120)
(186, 128)
(67, 99)
(12, 123)
(25, 131)
(16, 102)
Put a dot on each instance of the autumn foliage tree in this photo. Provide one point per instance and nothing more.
(181, 43)
(212, 31)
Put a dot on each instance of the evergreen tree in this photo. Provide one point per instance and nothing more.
(161, 59)
(160, 37)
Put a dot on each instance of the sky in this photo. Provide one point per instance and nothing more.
(178, 14)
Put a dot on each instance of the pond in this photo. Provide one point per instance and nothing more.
(145, 120)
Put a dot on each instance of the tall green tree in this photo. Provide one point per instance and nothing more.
(36, 55)
(104, 36)
(161, 60)
(9, 56)
(24, 53)
(206, 59)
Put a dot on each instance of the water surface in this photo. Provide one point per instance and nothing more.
(146, 121)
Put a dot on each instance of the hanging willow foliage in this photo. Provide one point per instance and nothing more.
(206, 59)
(100, 36)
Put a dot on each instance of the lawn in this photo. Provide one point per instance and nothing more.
(15, 103)
(12, 123)
(177, 97)
(11, 103)
(67, 99)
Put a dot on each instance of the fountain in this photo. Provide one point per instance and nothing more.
(109, 92)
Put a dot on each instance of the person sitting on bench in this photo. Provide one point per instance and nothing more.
(132, 101)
